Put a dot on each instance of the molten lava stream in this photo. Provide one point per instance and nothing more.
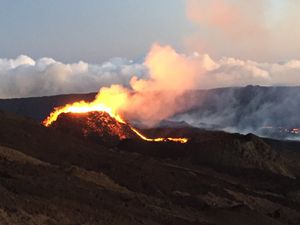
(84, 107)
(180, 140)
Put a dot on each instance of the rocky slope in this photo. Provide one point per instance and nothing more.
(212, 148)
(50, 177)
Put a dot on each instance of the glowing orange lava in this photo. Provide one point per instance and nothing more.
(180, 140)
(84, 107)
(80, 107)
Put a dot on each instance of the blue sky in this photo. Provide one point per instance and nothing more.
(92, 30)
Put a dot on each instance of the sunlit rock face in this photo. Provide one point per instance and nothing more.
(98, 127)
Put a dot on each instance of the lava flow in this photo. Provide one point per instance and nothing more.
(85, 107)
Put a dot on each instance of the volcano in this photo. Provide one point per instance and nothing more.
(97, 126)
(216, 149)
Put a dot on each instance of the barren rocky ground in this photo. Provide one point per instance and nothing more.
(50, 177)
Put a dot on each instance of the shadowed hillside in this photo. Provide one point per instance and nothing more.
(38, 108)
(49, 177)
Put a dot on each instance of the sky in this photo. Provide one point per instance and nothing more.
(67, 46)
(97, 30)
(91, 30)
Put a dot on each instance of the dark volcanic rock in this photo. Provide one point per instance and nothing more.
(217, 149)
(48, 177)
(239, 151)
(98, 127)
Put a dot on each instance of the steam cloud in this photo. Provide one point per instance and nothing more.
(170, 76)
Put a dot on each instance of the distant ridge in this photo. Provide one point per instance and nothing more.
(38, 108)
(265, 111)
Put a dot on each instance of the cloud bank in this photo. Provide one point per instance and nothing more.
(163, 67)
(25, 77)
